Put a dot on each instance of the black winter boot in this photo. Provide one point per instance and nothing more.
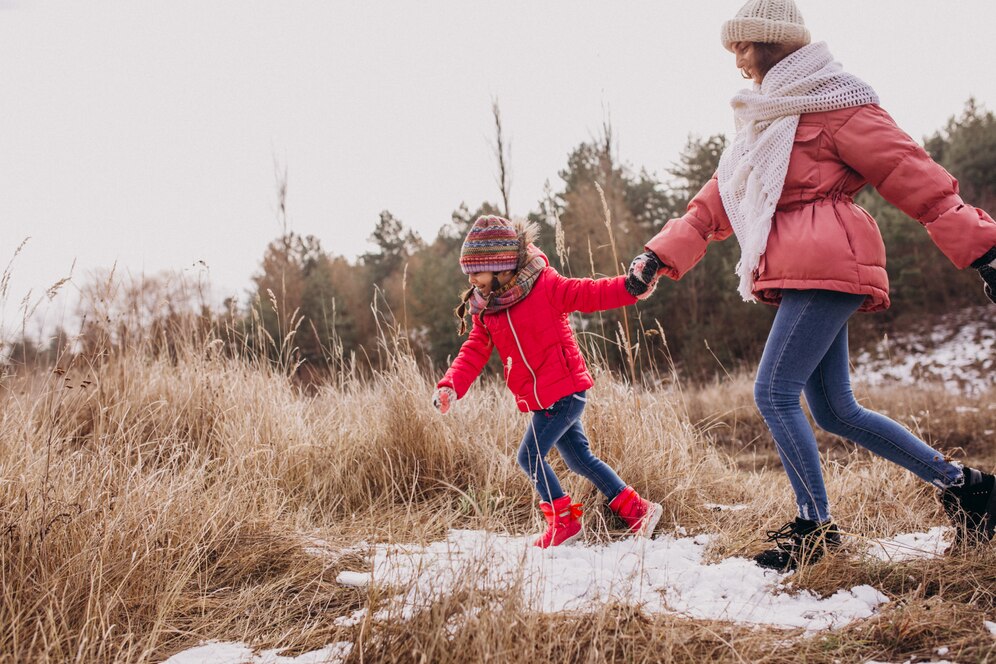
(799, 542)
(972, 507)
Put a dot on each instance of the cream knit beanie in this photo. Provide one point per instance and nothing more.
(770, 21)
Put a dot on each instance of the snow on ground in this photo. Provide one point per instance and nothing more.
(215, 652)
(911, 546)
(960, 352)
(667, 574)
(664, 575)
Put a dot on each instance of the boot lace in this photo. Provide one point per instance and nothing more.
(785, 538)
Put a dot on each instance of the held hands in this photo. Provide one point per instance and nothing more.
(641, 279)
(443, 398)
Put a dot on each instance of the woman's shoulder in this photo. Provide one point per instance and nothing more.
(837, 118)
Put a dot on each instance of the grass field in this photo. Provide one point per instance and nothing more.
(151, 501)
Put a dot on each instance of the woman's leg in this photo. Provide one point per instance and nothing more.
(576, 451)
(545, 429)
(831, 401)
(805, 326)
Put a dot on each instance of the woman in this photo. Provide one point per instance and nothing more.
(809, 137)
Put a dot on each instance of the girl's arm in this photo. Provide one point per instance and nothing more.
(683, 241)
(589, 295)
(470, 361)
(883, 154)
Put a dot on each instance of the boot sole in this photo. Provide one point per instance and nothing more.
(647, 529)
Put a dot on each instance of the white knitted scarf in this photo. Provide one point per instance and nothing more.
(752, 169)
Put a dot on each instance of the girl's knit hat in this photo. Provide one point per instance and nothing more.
(768, 21)
(491, 246)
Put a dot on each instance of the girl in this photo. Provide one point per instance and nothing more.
(519, 305)
(809, 137)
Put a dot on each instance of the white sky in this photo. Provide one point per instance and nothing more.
(145, 133)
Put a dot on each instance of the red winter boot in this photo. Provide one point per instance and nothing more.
(563, 522)
(640, 515)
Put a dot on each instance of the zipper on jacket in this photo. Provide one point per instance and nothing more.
(524, 360)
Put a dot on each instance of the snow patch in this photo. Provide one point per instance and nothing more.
(716, 507)
(664, 575)
(215, 652)
(959, 352)
(911, 546)
(354, 579)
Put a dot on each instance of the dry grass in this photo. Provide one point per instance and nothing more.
(150, 502)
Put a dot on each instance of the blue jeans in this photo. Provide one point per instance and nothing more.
(560, 426)
(806, 351)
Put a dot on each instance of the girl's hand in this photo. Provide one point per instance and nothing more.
(641, 279)
(443, 398)
(638, 289)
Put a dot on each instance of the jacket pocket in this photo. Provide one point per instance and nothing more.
(803, 167)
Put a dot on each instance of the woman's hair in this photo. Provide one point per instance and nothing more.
(768, 55)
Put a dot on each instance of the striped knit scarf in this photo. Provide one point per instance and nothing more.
(511, 293)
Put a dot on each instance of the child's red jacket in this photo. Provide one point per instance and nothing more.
(541, 359)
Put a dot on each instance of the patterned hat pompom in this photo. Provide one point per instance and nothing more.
(492, 245)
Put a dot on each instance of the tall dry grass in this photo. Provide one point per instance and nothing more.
(150, 500)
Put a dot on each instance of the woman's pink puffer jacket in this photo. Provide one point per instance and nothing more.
(819, 238)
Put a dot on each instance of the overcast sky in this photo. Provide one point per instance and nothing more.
(146, 133)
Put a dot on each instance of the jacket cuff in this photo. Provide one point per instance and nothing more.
(988, 258)
(678, 247)
(450, 381)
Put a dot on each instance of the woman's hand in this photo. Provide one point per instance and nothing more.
(987, 270)
(988, 274)
(641, 279)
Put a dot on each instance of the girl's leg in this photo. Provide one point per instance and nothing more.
(831, 401)
(576, 451)
(805, 326)
(546, 428)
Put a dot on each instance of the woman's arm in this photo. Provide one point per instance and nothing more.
(470, 361)
(883, 154)
(683, 241)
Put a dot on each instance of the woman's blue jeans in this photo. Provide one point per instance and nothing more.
(560, 426)
(806, 352)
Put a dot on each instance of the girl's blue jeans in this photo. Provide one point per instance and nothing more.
(560, 426)
(806, 352)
